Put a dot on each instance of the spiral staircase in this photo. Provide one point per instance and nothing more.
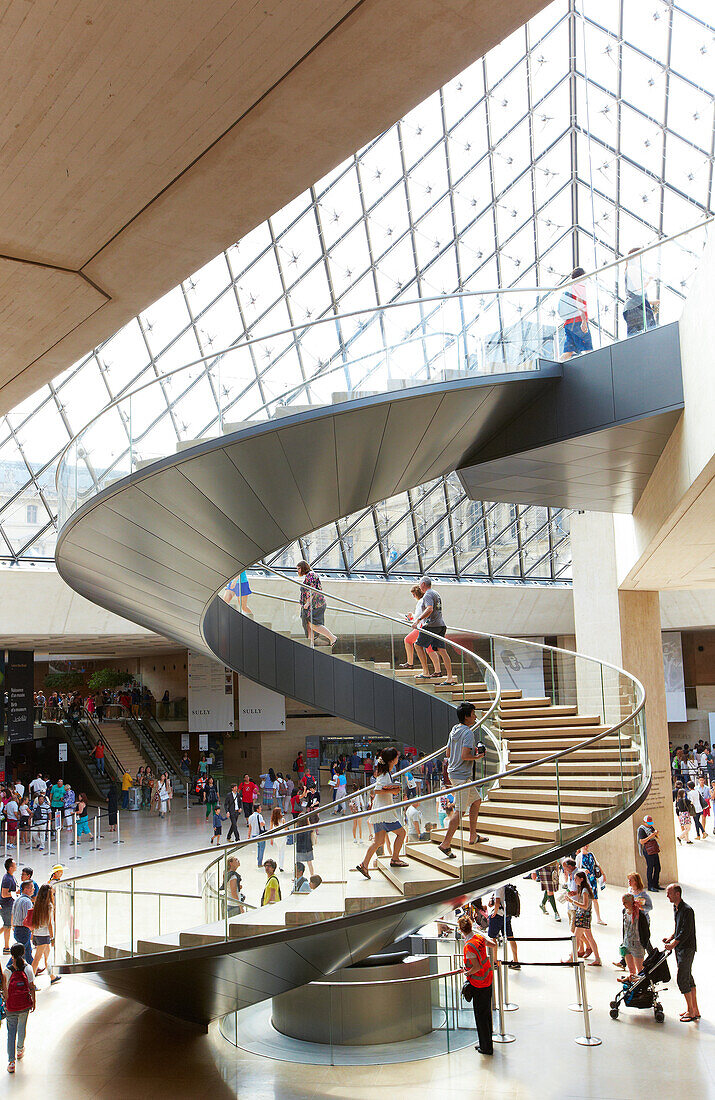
(157, 544)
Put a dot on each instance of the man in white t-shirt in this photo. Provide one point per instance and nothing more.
(257, 826)
(37, 786)
(413, 818)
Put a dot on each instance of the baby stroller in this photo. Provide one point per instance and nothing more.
(641, 991)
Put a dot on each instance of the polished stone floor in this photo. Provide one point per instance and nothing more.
(83, 1042)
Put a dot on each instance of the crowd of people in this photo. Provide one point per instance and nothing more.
(54, 706)
(33, 814)
(693, 779)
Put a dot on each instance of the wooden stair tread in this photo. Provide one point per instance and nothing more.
(550, 723)
(416, 878)
(473, 862)
(507, 847)
(524, 809)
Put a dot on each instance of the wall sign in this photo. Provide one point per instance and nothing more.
(259, 708)
(184, 742)
(19, 684)
(520, 666)
(674, 677)
(62, 752)
(210, 695)
(203, 742)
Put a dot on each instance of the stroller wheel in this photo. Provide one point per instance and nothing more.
(614, 1004)
(614, 1013)
(659, 1014)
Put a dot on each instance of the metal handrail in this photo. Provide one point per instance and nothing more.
(374, 310)
(465, 630)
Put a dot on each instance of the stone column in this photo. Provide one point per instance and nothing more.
(624, 629)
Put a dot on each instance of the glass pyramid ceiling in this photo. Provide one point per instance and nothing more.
(586, 133)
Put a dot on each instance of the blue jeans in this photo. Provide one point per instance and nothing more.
(24, 936)
(261, 847)
(125, 800)
(100, 764)
(16, 1023)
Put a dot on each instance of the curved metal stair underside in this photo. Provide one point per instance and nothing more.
(158, 545)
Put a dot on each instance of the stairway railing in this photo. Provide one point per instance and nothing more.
(125, 904)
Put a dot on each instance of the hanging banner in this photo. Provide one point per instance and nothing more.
(210, 695)
(674, 677)
(259, 708)
(20, 684)
(520, 666)
(184, 742)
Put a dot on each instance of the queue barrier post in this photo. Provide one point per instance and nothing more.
(119, 839)
(4, 825)
(58, 838)
(508, 1006)
(587, 1039)
(501, 1036)
(17, 839)
(96, 832)
(76, 854)
(577, 1006)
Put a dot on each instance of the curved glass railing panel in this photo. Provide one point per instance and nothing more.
(342, 357)
(445, 1020)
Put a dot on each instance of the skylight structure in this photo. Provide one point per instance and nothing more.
(588, 132)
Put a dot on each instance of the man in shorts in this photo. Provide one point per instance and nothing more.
(684, 943)
(430, 619)
(462, 752)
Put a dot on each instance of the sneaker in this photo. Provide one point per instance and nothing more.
(11, 1067)
(557, 918)
(20, 1053)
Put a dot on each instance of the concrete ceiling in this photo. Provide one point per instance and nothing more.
(139, 139)
(78, 645)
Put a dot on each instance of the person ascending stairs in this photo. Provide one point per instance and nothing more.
(462, 752)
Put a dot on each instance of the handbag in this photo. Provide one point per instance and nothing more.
(468, 991)
(651, 847)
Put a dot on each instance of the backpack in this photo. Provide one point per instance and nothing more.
(512, 902)
(19, 998)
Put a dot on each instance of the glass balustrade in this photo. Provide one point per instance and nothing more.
(410, 344)
(589, 765)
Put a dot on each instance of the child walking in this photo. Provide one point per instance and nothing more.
(217, 819)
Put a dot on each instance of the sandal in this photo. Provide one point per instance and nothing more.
(684, 1020)
(446, 852)
(362, 870)
(595, 962)
(425, 676)
(480, 839)
(398, 863)
(450, 682)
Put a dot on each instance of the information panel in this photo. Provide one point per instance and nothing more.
(674, 677)
(19, 684)
(519, 666)
(210, 695)
(259, 708)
